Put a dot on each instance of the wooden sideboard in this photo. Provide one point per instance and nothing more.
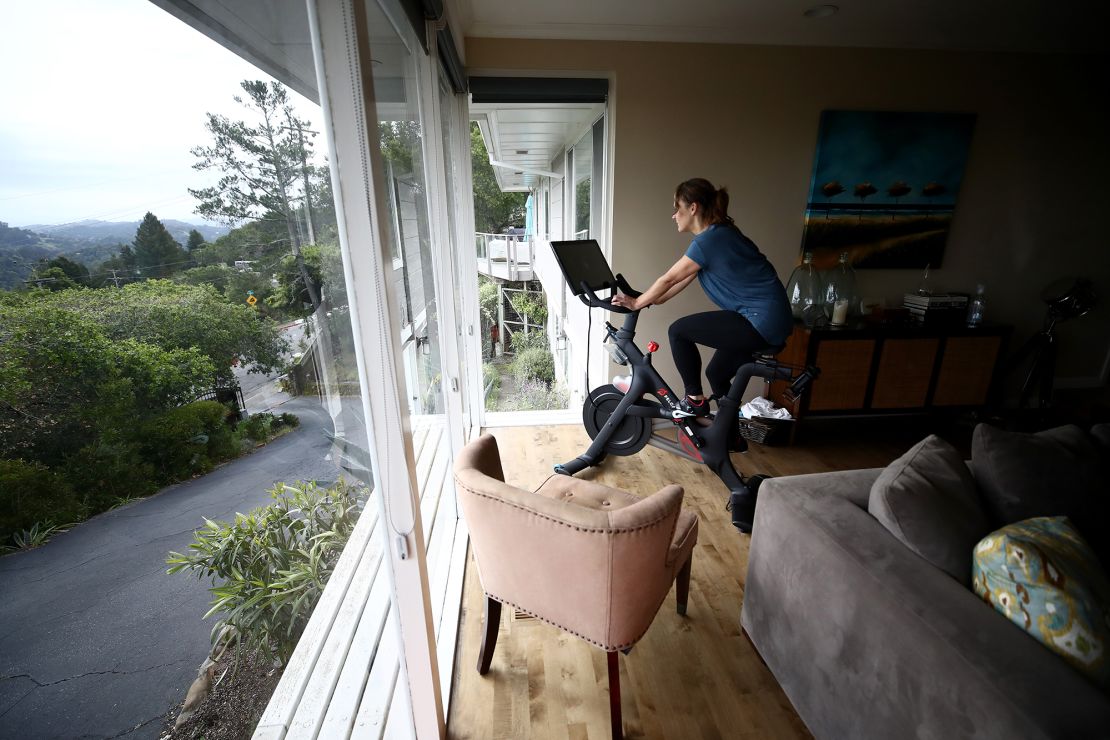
(867, 369)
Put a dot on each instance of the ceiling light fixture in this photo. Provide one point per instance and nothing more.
(821, 11)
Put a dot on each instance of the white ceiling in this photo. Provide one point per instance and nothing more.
(528, 137)
(983, 25)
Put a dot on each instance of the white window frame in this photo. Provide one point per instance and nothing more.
(345, 84)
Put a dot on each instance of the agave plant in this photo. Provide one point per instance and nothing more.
(39, 534)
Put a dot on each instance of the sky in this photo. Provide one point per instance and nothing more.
(102, 102)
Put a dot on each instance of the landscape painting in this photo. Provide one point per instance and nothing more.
(884, 187)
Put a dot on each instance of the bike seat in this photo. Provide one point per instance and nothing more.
(767, 354)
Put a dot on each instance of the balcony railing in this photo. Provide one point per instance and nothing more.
(505, 256)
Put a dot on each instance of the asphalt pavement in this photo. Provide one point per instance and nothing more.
(96, 640)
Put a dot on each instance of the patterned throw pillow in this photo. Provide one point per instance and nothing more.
(1041, 575)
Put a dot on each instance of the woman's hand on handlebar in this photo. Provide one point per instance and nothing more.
(625, 301)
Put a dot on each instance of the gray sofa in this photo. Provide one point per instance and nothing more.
(869, 640)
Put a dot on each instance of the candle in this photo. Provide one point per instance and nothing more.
(840, 313)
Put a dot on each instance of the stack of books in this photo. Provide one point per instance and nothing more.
(937, 308)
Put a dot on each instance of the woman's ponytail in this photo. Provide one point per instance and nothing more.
(720, 210)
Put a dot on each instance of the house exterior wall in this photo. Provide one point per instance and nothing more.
(747, 117)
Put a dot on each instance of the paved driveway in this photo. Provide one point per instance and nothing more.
(96, 640)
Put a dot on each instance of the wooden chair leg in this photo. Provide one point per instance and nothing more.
(491, 621)
(682, 585)
(615, 695)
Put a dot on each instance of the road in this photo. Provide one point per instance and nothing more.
(263, 392)
(96, 640)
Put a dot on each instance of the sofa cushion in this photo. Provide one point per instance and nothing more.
(1022, 476)
(927, 499)
(1043, 577)
(1057, 472)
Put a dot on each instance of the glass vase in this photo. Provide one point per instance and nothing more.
(841, 297)
(804, 288)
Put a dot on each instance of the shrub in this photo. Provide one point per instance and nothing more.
(257, 427)
(269, 567)
(178, 442)
(491, 378)
(535, 395)
(30, 494)
(105, 473)
(522, 342)
(535, 364)
(290, 420)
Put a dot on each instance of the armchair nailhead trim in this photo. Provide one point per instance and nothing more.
(591, 530)
(595, 643)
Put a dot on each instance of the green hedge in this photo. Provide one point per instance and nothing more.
(32, 494)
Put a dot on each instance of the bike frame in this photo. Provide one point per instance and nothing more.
(707, 445)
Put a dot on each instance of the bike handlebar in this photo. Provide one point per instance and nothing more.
(589, 297)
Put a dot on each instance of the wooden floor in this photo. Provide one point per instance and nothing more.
(689, 677)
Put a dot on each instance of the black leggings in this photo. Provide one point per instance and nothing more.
(732, 335)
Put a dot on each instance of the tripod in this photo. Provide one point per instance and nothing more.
(1042, 347)
(1066, 299)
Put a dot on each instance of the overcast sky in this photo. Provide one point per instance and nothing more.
(102, 102)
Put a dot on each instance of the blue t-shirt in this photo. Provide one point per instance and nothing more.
(737, 277)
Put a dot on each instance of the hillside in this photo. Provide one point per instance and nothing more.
(87, 242)
(99, 232)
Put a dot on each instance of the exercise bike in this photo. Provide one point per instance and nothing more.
(624, 421)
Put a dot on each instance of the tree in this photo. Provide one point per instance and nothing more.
(181, 317)
(73, 274)
(831, 189)
(196, 240)
(157, 254)
(291, 296)
(863, 191)
(116, 269)
(897, 190)
(265, 240)
(494, 211)
(64, 384)
(52, 278)
(261, 166)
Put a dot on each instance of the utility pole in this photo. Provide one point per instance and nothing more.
(114, 278)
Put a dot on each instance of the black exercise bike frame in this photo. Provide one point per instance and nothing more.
(707, 445)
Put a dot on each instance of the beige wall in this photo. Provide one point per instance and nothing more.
(1030, 208)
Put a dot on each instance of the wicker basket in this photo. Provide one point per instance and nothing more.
(766, 431)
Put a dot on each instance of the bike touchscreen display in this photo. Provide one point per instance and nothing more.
(582, 261)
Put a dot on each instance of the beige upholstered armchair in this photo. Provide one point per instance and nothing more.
(592, 560)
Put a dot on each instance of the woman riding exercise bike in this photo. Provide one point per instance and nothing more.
(622, 422)
(754, 312)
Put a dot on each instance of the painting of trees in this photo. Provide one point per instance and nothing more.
(879, 157)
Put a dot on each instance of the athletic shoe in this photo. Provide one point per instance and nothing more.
(695, 408)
